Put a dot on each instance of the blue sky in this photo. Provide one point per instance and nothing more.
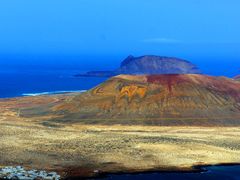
(94, 31)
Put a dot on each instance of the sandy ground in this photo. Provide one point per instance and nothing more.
(85, 150)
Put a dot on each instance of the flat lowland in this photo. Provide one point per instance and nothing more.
(86, 150)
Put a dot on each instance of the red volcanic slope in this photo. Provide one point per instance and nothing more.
(173, 99)
(169, 79)
(220, 84)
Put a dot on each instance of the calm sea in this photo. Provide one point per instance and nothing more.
(15, 83)
(212, 173)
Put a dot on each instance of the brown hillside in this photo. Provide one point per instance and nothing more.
(156, 99)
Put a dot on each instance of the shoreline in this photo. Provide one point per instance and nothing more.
(194, 169)
(39, 94)
(98, 174)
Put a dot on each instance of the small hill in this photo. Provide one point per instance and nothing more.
(156, 100)
(149, 65)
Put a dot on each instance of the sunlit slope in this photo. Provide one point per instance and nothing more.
(156, 99)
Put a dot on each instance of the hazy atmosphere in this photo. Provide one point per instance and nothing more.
(96, 35)
(120, 89)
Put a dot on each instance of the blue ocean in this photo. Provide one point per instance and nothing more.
(211, 173)
(38, 78)
(14, 83)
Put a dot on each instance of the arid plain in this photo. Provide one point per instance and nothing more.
(87, 150)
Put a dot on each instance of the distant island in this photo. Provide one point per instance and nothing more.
(148, 65)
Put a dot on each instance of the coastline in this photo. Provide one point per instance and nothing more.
(77, 173)
(52, 93)
(49, 93)
(84, 173)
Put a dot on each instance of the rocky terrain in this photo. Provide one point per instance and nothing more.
(91, 150)
(19, 173)
(151, 100)
(129, 123)
(148, 65)
(126, 124)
